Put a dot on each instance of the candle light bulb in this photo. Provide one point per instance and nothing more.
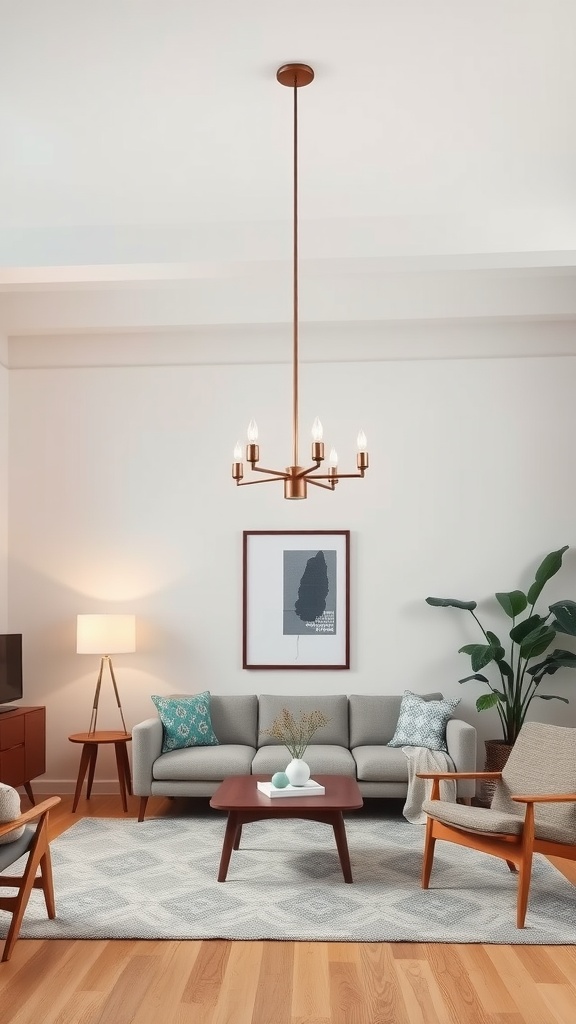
(361, 441)
(317, 431)
(238, 454)
(333, 457)
(252, 432)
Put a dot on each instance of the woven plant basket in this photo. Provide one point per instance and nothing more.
(497, 753)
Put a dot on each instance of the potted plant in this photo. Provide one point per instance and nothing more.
(518, 673)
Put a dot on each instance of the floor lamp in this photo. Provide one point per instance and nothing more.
(105, 635)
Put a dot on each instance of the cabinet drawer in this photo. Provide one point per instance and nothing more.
(12, 766)
(11, 731)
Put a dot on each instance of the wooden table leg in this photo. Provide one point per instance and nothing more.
(118, 747)
(91, 769)
(237, 837)
(232, 826)
(29, 792)
(83, 767)
(342, 845)
(126, 763)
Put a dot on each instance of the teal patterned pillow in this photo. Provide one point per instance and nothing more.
(422, 723)
(186, 721)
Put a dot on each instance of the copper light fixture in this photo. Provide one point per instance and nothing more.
(296, 478)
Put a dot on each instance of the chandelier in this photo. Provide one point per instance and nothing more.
(296, 477)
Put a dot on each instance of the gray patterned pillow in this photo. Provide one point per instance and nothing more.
(9, 811)
(422, 723)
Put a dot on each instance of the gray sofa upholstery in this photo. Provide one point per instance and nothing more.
(352, 743)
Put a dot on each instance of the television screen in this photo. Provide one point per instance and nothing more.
(10, 667)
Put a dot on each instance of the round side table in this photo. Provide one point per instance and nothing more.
(90, 743)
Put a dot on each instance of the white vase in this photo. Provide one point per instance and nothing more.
(298, 772)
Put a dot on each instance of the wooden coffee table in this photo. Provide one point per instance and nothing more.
(244, 802)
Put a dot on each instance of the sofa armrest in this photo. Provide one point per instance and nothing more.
(461, 743)
(146, 747)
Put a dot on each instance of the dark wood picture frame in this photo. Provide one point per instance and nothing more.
(284, 569)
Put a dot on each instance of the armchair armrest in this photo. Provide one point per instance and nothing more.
(146, 747)
(459, 775)
(547, 798)
(34, 812)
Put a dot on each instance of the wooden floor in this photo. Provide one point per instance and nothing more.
(217, 982)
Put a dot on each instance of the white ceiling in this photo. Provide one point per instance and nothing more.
(145, 162)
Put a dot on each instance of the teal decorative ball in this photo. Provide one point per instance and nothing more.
(280, 780)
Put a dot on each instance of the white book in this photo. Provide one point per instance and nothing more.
(310, 788)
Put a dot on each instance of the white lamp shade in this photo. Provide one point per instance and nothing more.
(106, 634)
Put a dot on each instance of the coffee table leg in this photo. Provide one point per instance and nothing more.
(237, 837)
(342, 845)
(232, 826)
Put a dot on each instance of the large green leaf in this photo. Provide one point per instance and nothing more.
(565, 617)
(545, 571)
(522, 629)
(505, 668)
(551, 664)
(550, 565)
(477, 675)
(494, 640)
(451, 602)
(513, 603)
(552, 696)
(487, 700)
(480, 654)
(537, 642)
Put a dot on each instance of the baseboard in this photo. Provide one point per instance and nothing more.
(62, 787)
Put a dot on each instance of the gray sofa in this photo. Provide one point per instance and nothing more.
(352, 743)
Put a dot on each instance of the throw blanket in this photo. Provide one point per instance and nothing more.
(421, 759)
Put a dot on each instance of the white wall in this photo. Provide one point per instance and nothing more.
(3, 484)
(121, 499)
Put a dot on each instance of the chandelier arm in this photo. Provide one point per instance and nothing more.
(309, 469)
(278, 473)
(338, 476)
(327, 487)
(250, 483)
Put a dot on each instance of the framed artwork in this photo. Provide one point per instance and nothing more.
(296, 599)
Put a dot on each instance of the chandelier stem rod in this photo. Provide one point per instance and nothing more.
(295, 289)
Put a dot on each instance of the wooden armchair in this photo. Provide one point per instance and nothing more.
(542, 764)
(34, 843)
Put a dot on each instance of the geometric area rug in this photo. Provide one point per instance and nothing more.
(123, 879)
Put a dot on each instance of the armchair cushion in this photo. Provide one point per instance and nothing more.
(543, 760)
(11, 852)
(474, 819)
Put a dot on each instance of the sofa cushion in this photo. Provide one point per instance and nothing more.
(334, 706)
(422, 723)
(373, 718)
(379, 763)
(323, 758)
(204, 764)
(235, 717)
(186, 721)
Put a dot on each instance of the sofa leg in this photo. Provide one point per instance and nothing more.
(142, 811)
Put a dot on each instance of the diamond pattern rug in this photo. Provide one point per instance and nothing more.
(119, 879)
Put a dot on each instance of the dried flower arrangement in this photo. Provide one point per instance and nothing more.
(296, 735)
